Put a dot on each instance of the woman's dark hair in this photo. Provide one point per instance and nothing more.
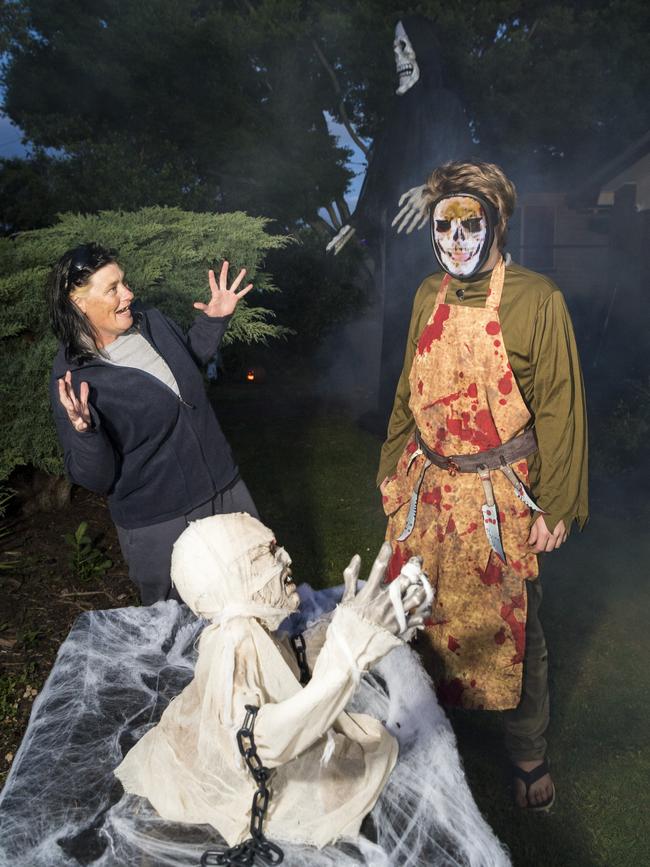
(74, 269)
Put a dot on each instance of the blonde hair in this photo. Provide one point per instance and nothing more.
(486, 179)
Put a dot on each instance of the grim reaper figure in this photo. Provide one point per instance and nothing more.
(426, 125)
(259, 748)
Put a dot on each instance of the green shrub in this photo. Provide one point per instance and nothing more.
(8, 559)
(86, 561)
(166, 253)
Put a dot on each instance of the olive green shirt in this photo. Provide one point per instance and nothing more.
(541, 347)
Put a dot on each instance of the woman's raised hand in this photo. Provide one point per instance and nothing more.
(76, 407)
(224, 298)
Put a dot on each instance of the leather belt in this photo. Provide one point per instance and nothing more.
(492, 459)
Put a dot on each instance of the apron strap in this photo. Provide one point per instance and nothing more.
(494, 291)
(496, 285)
(442, 291)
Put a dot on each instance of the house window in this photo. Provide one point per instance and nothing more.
(538, 237)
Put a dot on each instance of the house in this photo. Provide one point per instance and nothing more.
(594, 242)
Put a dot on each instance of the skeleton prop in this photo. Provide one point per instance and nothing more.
(408, 70)
(425, 125)
(408, 75)
(329, 766)
(117, 672)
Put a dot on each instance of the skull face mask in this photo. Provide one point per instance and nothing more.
(408, 70)
(462, 232)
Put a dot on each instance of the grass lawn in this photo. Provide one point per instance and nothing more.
(311, 471)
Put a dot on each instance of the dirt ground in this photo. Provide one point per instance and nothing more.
(40, 599)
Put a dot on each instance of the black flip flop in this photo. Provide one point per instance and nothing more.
(530, 777)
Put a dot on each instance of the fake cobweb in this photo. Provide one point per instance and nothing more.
(115, 674)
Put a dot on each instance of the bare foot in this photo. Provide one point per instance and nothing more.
(538, 792)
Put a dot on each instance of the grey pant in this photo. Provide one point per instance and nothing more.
(526, 724)
(148, 550)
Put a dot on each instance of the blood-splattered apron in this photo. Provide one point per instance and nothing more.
(465, 400)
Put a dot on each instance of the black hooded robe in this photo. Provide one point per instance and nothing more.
(426, 127)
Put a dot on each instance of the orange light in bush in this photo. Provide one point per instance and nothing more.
(250, 376)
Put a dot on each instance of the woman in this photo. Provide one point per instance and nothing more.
(131, 410)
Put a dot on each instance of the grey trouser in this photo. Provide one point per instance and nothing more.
(148, 550)
(526, 724)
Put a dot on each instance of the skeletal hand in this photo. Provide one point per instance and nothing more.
(542, 540)
(374, 602)
(76, 407)
(224, 298)
(413, 574)
(339, 240)
(414, 210)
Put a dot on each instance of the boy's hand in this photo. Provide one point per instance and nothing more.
(542, 540)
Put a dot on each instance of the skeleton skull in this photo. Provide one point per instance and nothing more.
(408, 71)
(460, 234)
(280, 591)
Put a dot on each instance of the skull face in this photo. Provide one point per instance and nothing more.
(280, 591)
(460, 233)
(408, 71)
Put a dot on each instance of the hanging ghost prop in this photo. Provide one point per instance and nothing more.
(425, 126)
(328, 766)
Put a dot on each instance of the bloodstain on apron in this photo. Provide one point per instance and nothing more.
(465, 400)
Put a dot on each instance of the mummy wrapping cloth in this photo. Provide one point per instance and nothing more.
(330, 766)
(115, 675)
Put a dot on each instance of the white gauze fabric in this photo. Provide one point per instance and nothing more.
(188, 766)
(115, 674)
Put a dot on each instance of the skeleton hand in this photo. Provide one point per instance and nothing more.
(375, 602)
(339, 240)
(415, 211)
(412, 571)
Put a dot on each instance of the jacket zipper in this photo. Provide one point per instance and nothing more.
(151, 342)
(99, 360)
(155, 379)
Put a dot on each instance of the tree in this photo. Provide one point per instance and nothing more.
(210, 110)
(318, 292)
(218, 104)
(166, 253)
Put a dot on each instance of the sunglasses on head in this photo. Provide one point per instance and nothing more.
(83, 263)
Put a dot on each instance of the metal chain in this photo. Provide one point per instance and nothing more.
(300, 649)
(244, 854)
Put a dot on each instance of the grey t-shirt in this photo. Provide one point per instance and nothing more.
(132, 350)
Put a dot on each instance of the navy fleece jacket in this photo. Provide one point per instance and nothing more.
(156, 455)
